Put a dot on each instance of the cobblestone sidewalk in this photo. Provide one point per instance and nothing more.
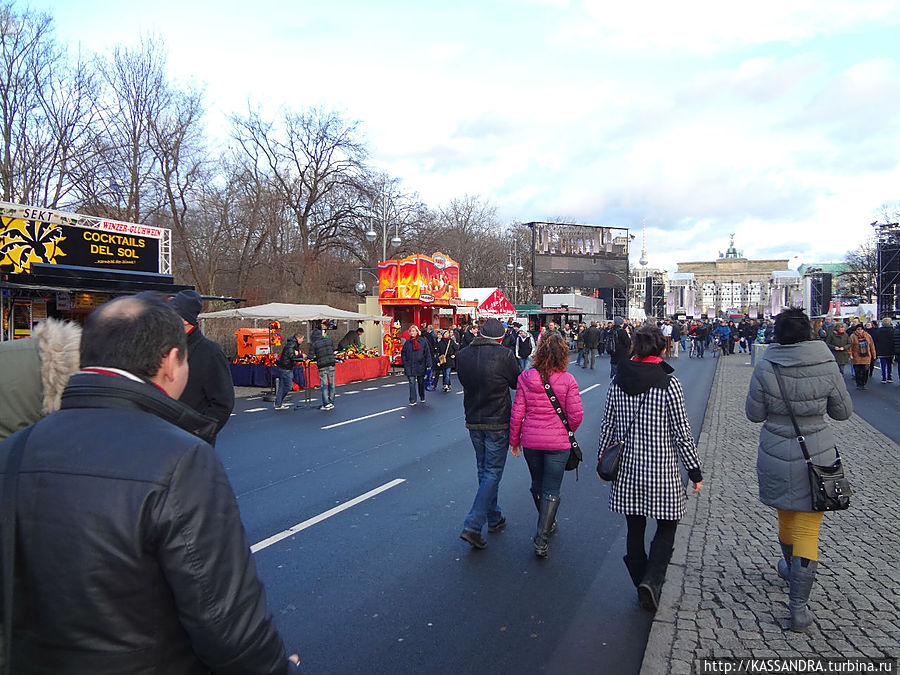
(723, 597)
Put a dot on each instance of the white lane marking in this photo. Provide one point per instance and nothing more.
(593, 386)
(389, 385)
(360, 419)
(370, 388)
(460, 392)
(355, 391)
(299, 527)
(255, 409)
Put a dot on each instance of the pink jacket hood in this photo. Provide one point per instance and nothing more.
(534, 423)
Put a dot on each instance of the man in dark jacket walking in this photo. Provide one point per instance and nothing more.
(322, 351)
(884, 349)
(162, 579)
(487, 371)
(623, 346)
(591, 343)
(284, 371)
(210, 389)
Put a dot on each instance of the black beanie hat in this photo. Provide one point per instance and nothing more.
(188, 304)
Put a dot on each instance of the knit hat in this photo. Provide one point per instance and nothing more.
(618, 321)
(493, 329)
(188, 304)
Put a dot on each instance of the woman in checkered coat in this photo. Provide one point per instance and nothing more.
(648, 484)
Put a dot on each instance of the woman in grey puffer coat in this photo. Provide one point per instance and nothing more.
(815, 387)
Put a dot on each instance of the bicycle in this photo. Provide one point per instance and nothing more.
(695, 348)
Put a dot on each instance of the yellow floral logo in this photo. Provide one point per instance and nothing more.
(23, 242)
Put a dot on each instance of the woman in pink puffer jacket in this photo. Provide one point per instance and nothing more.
(535, 425)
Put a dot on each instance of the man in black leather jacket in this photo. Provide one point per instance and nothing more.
(487, 371)
(131, 556)
(210, 389)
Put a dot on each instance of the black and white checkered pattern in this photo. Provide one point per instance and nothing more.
(649, 483)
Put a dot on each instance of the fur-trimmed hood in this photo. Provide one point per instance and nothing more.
(35, 372)
(58, 345)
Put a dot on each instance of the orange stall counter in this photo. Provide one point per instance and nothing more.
(252, 341)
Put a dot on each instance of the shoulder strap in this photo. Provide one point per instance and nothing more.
(636, 411)
(8, 514)
(557, 406)
(802, 441)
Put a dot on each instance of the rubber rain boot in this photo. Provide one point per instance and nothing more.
(549, 507)
(803, 575)
(784, 565)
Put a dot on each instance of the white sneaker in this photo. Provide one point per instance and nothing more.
(283, 406)
(323, 407)
(330, 406)
(412, 403)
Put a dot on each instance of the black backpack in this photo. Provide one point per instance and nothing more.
(611, 343)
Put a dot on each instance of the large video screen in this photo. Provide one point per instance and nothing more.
(580, 256)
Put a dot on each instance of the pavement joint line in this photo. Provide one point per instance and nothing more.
(593, 386)
(360, 419)
(299, 527)
(255, 409)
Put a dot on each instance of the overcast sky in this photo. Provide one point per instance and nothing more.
(775, 120)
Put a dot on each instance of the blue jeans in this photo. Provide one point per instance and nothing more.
(886, 368)
(283, 384)
(613, 369)
(524, 363)
(580, 357)
(547, 468)
(415, 380)
(326, 380)
(683, 343)
(429, 379)
(491, 448)
(446, 372)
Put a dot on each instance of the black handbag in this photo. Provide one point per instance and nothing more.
(575, 456)
(610, 457)
(828, 485)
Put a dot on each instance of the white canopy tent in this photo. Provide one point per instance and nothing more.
(282, 311)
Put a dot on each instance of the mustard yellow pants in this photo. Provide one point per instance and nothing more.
(801, 530)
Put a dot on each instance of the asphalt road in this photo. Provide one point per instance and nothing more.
(386, 585)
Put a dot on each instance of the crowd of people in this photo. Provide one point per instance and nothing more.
(147, 395)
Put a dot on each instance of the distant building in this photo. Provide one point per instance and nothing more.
(733, 284)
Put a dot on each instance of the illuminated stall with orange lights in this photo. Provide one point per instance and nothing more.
(420, 290)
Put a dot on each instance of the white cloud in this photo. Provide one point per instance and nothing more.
(708, 26)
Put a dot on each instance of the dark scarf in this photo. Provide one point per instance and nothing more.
(415, 343)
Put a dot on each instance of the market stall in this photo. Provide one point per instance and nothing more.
(257, 353)
(490, 303)
(420, 290)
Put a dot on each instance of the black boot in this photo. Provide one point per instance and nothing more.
(803, 575)
(637, 567)
(549, 507)
(651, 585)
(784, 565)
(537, 504)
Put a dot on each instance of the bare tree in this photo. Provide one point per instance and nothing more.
(136, 94)
(858, 280)
(175, 136)
(27, 54)
(314, 161)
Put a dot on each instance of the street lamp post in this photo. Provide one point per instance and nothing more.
(360, 286)
(372, 235)
(515, 266)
